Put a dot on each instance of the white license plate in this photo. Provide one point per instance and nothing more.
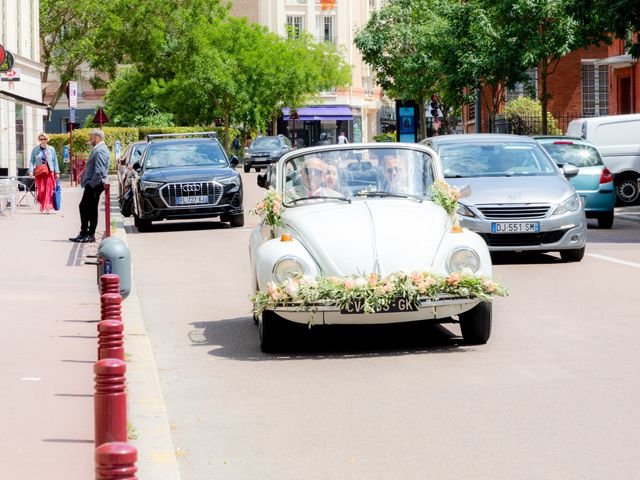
(191, 200)
(398, 305)
(520, 227)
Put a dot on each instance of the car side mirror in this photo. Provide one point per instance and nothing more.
(137, 167)
(465, 191)
(262, 180)
(569, 170)
(234, 161)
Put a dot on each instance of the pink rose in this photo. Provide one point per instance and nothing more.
(454, 279)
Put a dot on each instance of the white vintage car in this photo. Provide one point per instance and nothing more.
(359, 220)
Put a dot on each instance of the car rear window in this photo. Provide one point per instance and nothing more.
(578, 155)
(185, 154)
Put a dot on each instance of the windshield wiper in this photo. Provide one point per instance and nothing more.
(376, 193)
(343, 199)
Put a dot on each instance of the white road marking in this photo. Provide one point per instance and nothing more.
(31, 379)
(614, 260)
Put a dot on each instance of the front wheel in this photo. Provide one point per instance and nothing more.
(273, 331)
(628, 190)
(247, 168)
(141, 224)
(574, 255)
(605, 220)
(475, 324)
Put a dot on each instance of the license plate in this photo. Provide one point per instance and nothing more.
(399, 305)
(191, 200)
(520, 227)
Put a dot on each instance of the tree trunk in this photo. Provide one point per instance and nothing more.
(274, 123)
(226, 117)
(423, 118)
(544, 97)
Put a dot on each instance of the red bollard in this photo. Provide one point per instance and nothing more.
(110, 306)
(109, 283)
(110, 339)
(110, 401)
(116, 461)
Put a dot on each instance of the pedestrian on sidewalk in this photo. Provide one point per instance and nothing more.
(93, 180)
(44, 162)
(342, 138)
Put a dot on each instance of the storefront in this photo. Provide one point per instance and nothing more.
(321, 125)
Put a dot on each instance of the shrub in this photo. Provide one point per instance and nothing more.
(385, 137)
(525, 117)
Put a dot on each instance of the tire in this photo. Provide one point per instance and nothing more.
(475, 324)
(247, 168)
(141, 224)
(236, 221)
(627, 190)
(273, 332)
(125, 209)
(574, 255)
(605, 220)
(258, 169)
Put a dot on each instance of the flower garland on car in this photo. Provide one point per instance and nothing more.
(447, 197)
(374, 292)
(269, 209)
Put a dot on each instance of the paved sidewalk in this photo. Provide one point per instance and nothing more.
(49, 309)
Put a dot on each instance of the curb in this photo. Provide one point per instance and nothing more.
(147, 413)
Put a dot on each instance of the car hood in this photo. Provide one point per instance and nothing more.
(187, 174)
(365, 236)
(492, 190)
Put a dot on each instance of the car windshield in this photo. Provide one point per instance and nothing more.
(578, 155)
(357, 173)
(499, 159)
(201, 154)
(266, 143)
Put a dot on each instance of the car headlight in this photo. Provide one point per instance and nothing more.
(286, 268)
(571, 204)
(145, 184)
(275, 154)
(463, 259)
(464, 210)
(234, 180)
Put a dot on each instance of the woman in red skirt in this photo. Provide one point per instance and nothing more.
(44, 166)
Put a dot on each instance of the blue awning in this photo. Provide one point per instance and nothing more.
(324, 112)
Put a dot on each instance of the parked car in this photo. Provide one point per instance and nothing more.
(594, 183)
(354, 223)
(265, 151)
(130, 156)
(520, 200)
(618, 139)
(185, 178)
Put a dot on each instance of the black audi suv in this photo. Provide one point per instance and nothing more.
(186, 178)
(265, 151)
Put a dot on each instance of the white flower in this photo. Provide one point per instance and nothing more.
(361, 282)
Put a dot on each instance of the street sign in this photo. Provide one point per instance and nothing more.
(100, 117)
(72, 94)
(1, 54)
(8, 63)
(65, 153)
(12, 75)
(72, 115)
(116, 146)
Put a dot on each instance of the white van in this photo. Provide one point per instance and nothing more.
(618, 139)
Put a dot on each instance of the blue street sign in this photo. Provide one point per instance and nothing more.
(65, 153)
(117, 148)
(72, 115)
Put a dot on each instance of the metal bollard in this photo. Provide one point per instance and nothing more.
(110, 401)
(110, 306)
(110, 339)
(116, 461)
(109, 283)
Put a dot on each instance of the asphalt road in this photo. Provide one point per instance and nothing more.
(553, 395)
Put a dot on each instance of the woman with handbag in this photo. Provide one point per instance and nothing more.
(44, 166)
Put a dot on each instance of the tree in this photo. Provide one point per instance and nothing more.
(401, 43)
(73, 33)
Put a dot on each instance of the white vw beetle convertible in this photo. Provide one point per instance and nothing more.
(357, 234)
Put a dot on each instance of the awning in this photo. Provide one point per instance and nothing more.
(324, 112)
(618, 61)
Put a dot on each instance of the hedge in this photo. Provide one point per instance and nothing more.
(525, 117)
(82, 147)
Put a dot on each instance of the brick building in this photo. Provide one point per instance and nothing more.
(594, 81)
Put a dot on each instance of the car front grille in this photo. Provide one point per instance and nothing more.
(172, 191)
(522, 239)
(514, 212)
(261, 155)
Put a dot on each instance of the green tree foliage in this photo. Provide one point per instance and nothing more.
(401, 43)
(525, 117)
(77, 32)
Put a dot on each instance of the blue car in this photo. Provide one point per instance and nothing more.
(594, 183)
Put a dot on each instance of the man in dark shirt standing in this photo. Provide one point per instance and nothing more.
(93, 180)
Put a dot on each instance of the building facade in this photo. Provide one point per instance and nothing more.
(336, 22)
(21, 107)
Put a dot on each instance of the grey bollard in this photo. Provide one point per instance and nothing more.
(114, 257)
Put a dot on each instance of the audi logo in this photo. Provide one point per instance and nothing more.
(191, 188)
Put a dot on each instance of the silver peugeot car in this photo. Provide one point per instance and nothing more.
(520, 200)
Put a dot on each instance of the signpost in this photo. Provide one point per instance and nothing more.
(65, 153)
(72, 98)
(116, 147)
(100, 117)
(1, 54)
